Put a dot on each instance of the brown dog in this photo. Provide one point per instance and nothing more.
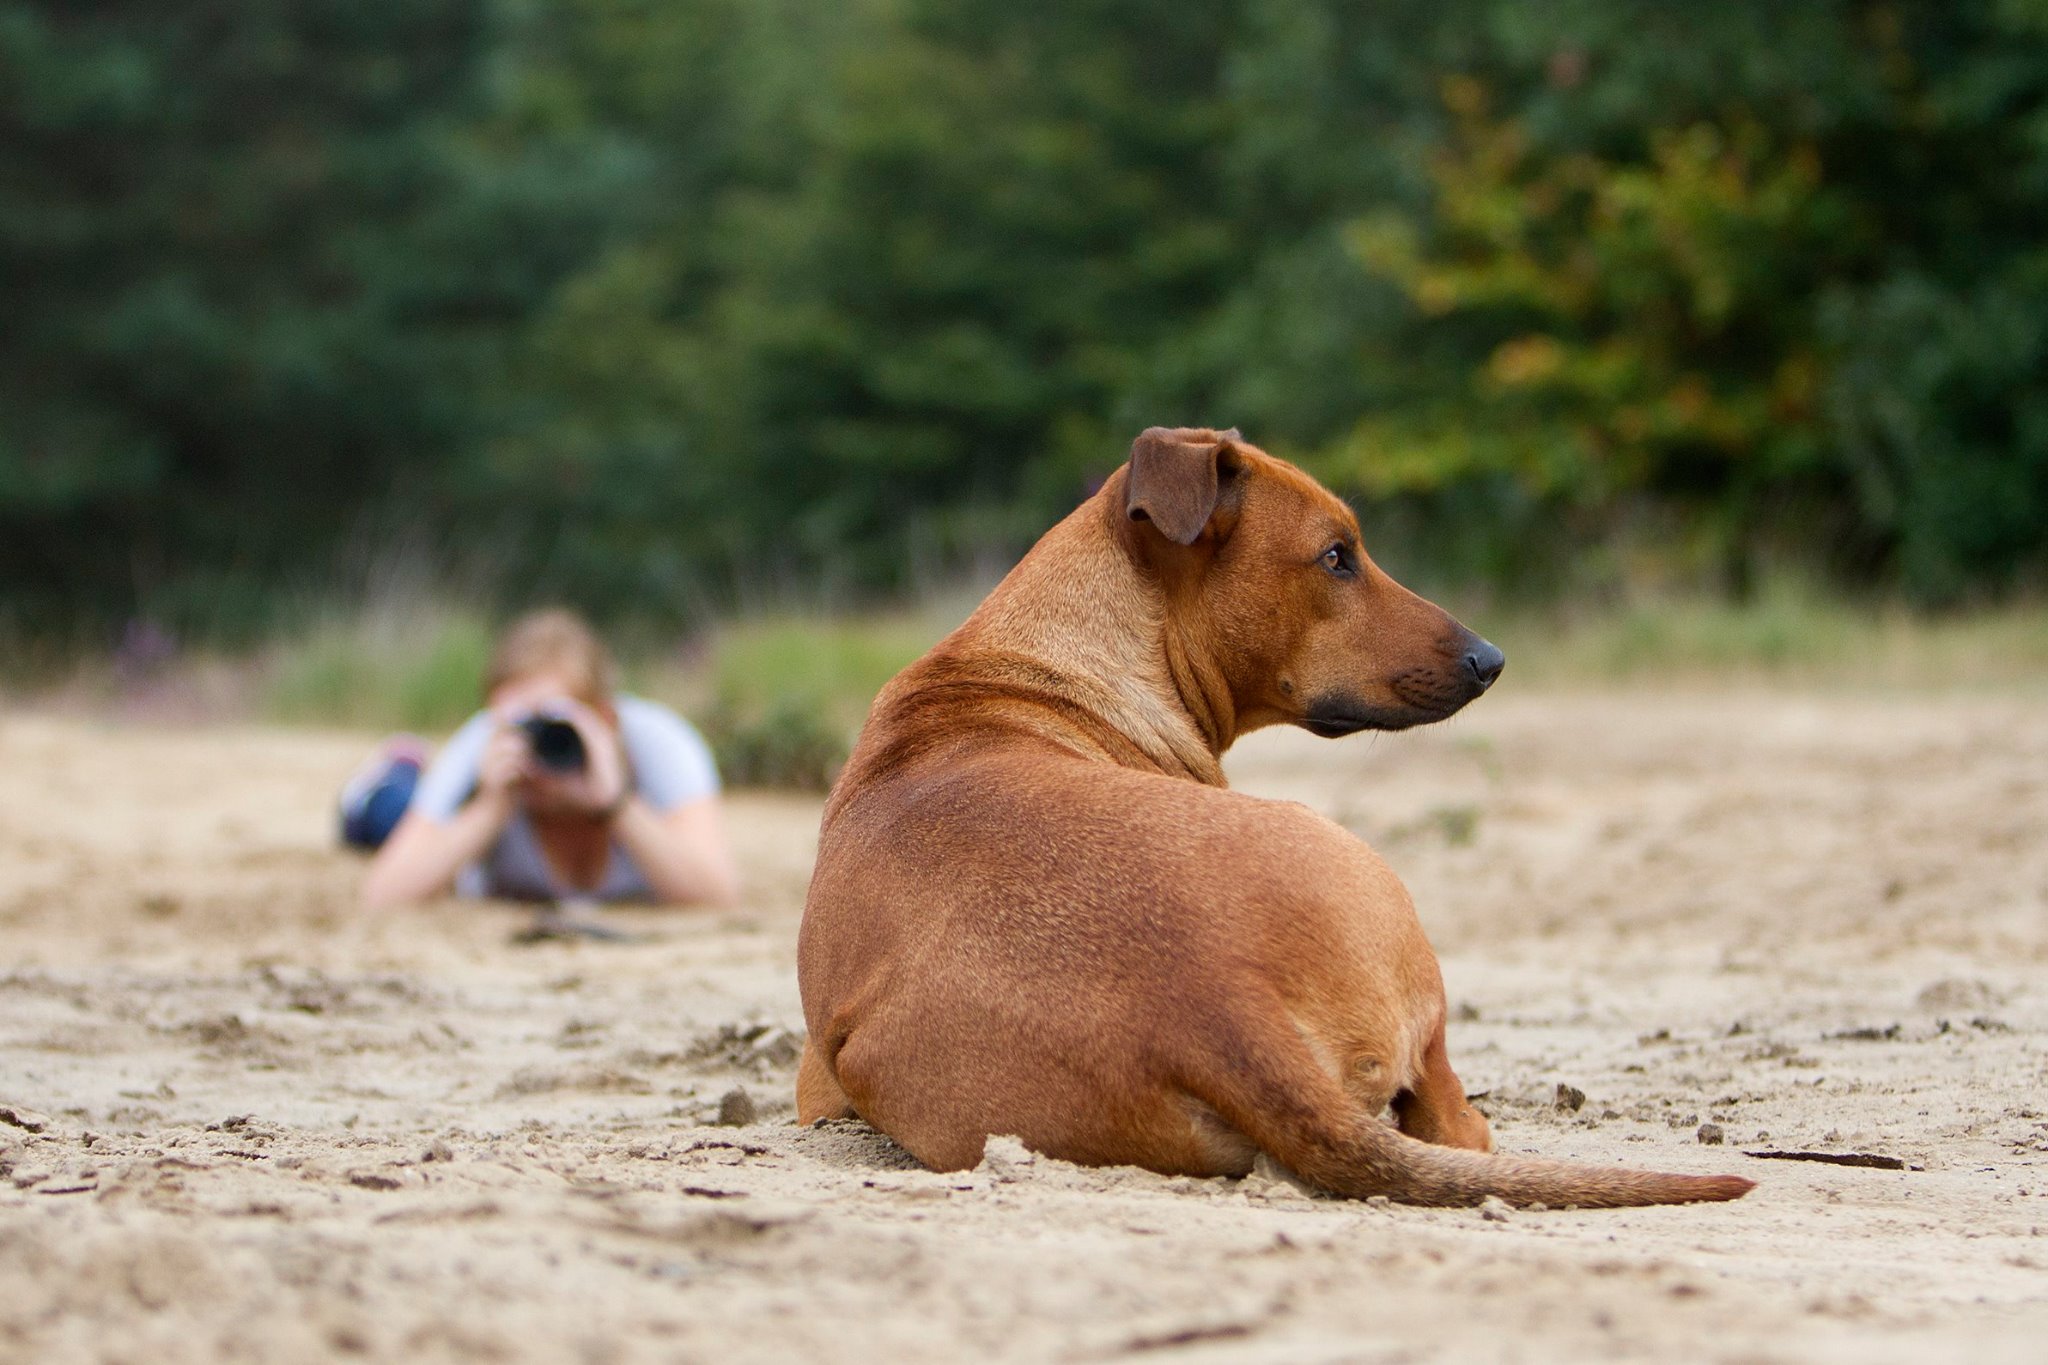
(1037, 909)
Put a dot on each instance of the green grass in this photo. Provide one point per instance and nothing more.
(781, 698)
(419, 671)
(1787, 638)
(781, 695)
(831, 665)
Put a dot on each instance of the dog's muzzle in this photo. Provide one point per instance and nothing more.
(1423, 694)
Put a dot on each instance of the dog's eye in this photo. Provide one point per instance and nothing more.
(1337, 559)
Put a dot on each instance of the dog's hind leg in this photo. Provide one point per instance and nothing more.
(1434, 1109)
(818, 1093)
(1263, 1081)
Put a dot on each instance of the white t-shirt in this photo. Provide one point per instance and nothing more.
(667, 762)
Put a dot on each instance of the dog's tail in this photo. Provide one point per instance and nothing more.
(1298, 1114)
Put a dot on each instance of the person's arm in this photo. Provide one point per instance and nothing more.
(682, 852)
(673, 825)
(423, 855)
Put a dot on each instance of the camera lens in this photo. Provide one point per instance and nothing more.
(555, 743)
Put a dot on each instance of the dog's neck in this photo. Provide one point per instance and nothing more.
(1079, 608)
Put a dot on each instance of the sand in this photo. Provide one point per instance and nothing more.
(240, 1119)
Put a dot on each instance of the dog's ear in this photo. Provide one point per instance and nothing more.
(1178, 477)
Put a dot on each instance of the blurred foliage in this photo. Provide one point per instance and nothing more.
(1787, 634)
(1642, 344)
(650, 307)
(418, 671)
(781, 699)
(260, 272)
(1769, 271)
(784, 745)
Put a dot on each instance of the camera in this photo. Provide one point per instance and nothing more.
(556, 744)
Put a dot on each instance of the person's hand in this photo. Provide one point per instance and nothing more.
(505, 763)
(597, 788)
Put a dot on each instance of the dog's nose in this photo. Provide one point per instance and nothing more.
(1485, 661)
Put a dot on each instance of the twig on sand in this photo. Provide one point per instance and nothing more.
(1871, 1159)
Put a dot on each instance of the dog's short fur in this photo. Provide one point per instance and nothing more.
(1037, 909)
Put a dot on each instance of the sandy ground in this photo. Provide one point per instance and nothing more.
(239, 1119)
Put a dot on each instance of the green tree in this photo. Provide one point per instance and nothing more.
(256, 278)
(636, 304)
(1768, 268)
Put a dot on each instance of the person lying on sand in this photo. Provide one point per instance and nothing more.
(561, 789)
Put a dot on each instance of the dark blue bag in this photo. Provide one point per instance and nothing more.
(375, 800)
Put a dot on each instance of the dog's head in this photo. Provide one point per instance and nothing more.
(1272, 595)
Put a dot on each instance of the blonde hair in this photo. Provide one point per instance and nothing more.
(558, 642)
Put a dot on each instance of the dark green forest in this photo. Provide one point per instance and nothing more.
(649, 304)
